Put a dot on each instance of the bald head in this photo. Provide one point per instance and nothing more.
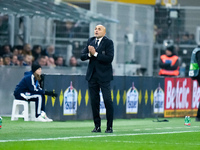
(99, 31)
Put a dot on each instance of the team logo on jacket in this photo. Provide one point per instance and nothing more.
(132, 100)
(70, 101)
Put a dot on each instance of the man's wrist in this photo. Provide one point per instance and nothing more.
(95, 54)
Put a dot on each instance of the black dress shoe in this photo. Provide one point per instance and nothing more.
(98, 129)
(109, 130)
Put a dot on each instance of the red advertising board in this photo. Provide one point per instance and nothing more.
(181, 97)
(195, 95)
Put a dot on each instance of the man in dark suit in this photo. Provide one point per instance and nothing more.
(100, 52)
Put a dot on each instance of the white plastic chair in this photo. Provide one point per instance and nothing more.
(29, 110)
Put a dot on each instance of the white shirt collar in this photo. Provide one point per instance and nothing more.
(99, 40)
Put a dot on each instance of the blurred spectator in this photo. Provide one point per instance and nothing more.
(1, 61)
(15, 51)
(82, 29)
(185, 39)
(6, 60)
(69, 32)
(50, 51)
(46, 59)
(20, 49)
(155, 33)
(68, 29)
(188, 39)
(160, 34)
(21, 60)
(42, 61)
(6, 49)
(59, 61)
(14, 60)
(27, 49)
(51, 62)
(28, 59)
(36, 51)
(192, 39)
(73, 62)
(77, 47)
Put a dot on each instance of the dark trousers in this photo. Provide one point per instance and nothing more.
(39, 102)
(198, 80)
(94, 88)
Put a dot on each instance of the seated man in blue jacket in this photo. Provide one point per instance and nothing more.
(29, 89)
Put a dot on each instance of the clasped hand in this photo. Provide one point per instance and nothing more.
(91, 50)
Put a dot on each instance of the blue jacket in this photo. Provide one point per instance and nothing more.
(28, 84)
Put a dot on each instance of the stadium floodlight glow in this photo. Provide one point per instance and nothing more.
(167, 43)
(173, 13)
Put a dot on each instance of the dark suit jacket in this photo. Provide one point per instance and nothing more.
(101, 63)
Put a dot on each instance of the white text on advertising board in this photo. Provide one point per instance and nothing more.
(180, 94)
(195, 95)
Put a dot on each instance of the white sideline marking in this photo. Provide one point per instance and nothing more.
(137, 142)
(78, 137)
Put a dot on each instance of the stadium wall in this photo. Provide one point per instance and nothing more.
(132, 96)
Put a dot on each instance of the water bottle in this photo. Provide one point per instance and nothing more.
(186, 120)
(0, 122)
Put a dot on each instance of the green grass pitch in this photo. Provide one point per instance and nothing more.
(129, 134)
